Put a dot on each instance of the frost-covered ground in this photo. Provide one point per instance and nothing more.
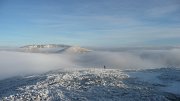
(94, 85)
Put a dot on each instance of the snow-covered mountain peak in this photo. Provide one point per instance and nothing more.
(76, 49)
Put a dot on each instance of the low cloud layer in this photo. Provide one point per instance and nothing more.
(20, 63)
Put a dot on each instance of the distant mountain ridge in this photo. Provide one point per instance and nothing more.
(54, 48)
(45, 46)
(74, 49)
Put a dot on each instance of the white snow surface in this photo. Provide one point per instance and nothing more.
(91, 85)
(167, 79)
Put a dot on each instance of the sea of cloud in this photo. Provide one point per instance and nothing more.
(13, 63)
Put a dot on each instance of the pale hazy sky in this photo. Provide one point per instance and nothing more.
(90, 22)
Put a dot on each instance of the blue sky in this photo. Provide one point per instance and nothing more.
(90, 22)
